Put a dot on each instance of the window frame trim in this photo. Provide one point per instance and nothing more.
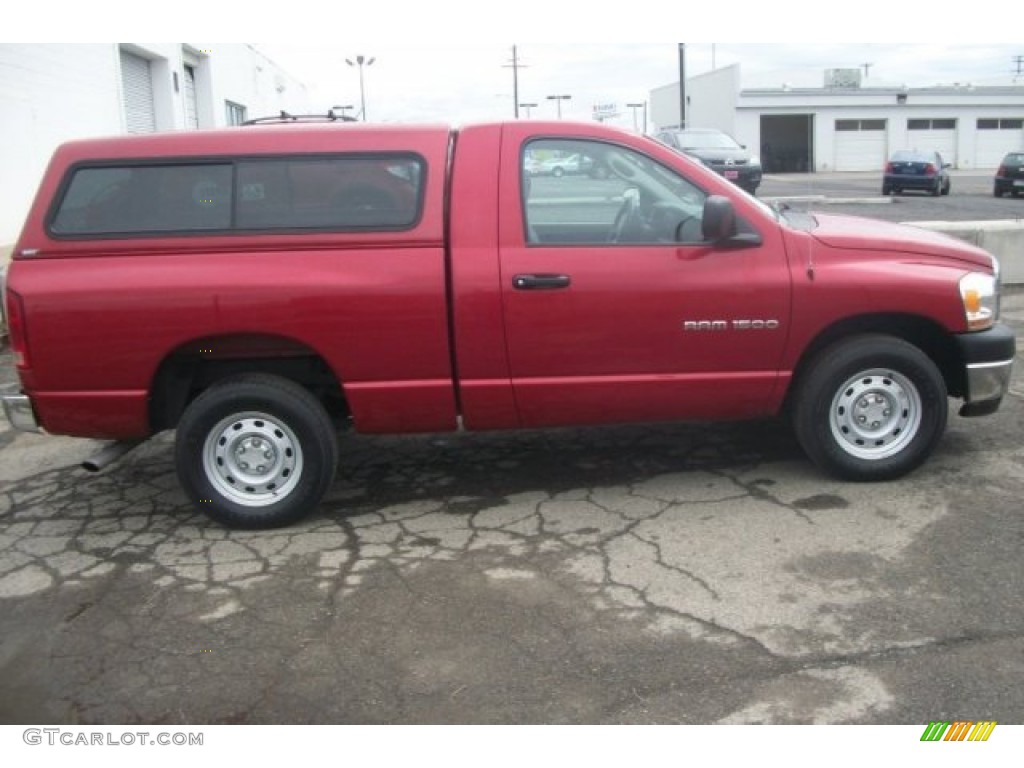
(233, 161)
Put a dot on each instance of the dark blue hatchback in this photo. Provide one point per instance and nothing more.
(914, 169)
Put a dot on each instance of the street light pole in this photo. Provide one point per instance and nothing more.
(527, 107)
(344, 110)
(360, 61)
(635, 106)
(558, 100)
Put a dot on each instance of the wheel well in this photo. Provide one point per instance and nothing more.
(925, 334)
(193, 367)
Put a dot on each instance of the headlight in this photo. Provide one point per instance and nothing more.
(754, 160)
(980, 295)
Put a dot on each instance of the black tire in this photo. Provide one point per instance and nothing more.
(249, 418)
(997, 192)
(557, 172)
(870, 408)
(937, 189)
(886, 190)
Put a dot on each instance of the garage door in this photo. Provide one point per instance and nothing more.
(191, 107)
(137, 85)
(938, 135)
(860, 145)
(996, 137)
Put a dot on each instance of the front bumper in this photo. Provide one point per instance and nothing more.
(21, 414)
(746, 176)
(988, 362)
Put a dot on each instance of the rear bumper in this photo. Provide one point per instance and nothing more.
(910, 182)
(988, 362)
(21, 414)
(1004, 185)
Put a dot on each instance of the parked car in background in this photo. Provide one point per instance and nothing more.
(719, 151)
(915, 169)
(569, 165)
(1010, 176)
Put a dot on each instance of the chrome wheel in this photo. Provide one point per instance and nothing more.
(875, 414)
(252, 458)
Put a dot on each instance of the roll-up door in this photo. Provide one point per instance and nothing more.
(140, 116)
(938, 134)
(994, 138)
(191, 108)
(860, 145)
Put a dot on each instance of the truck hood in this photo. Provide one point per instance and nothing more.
(855, 233)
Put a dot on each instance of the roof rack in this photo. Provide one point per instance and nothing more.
(285, 117)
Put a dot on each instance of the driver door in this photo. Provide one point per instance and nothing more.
(608, 316)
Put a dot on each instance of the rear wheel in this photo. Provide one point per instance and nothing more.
(870, 408)
(256, 451)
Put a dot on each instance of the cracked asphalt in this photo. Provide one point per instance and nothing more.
(644, 574)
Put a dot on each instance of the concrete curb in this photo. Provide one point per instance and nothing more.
(822, 200)
(1003, 239)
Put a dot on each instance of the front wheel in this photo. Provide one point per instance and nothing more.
(256, 451)
(870, 408)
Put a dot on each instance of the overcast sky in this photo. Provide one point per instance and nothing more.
(471, 82)
(445, 60)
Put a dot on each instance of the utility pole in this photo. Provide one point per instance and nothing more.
(515, 65)
(867, 68)
(682, 85)
(1019, 62)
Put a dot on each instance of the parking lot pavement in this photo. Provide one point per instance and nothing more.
(666, 574)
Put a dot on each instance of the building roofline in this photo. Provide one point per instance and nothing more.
(939, 90)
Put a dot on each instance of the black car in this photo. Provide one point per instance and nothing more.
(914, 169)
(719, 151)
(1010, 176)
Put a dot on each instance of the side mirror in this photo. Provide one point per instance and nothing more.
(719, 226)
(719, 220)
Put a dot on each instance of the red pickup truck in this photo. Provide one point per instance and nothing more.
(255, 288)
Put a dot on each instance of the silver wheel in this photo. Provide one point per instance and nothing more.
(252, 458)
(875, 414)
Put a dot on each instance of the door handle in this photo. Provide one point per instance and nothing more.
(540, 282)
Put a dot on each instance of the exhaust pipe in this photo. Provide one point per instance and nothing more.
(108, 454)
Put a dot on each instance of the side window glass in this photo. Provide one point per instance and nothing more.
(361, 192)
(592, 193)
(139, 199)
(378, 192)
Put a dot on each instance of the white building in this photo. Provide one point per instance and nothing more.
(53, 93)
(847, 127)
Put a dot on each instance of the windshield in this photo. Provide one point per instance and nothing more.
(909, 156)
(709, 140)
